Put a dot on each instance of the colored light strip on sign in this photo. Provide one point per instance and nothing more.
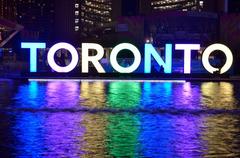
(106, 80)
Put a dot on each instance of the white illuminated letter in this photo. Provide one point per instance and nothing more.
(187, 54)
(71, 50)
(94, 59)
(136, 62)
(215, 47)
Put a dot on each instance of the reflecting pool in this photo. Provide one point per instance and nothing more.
(119, 119)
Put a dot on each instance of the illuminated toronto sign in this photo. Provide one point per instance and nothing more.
(149, 53)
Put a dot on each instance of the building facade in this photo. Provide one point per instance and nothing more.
(234, 6)
(67, 19)
(181, 5)
(98, 13)
(148, 6)
(8, 9)
(36, 16)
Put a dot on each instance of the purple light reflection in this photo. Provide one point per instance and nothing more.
(188, 127)
(63, 130)
(187, 96)
(62, 95)
(64, 135)
(188, 142)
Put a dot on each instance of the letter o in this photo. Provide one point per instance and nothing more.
(212, 48)
(73, 53)
(115, 64)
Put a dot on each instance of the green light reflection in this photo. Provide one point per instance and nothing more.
(123, 129)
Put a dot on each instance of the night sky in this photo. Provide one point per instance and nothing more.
(130, 7)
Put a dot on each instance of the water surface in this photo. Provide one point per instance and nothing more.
(119, 119)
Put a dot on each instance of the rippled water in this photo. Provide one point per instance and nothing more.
(119, 119)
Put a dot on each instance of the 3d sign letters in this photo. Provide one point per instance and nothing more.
(149, 53)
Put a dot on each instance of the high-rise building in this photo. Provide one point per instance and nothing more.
(81, 18)
(67, 19)
(98, 13)
(217, 6)
(168, 5)
(8, 9)
(8, 26)
(37, 16)
(77, 10)
(184, 5)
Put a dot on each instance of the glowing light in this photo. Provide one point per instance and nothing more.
(94, 59)
(107, 80)
(151, 52)
(136, 62)
(71, 50)
(187, 54)
(215, 47)
(90, 89)
(33, 53)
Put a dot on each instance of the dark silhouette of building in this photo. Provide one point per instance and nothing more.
(67, 20)
(234, 6)
(130, 7)
(36, 16)
(72, 20)
(8, 25)
(217, 6)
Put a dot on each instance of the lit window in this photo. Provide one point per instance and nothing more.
(76, 5)
(76, 28)
(201, 3)
(76, 13)
(76, 21)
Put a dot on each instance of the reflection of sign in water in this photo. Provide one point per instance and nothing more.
(122, 130)
(149, 54)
